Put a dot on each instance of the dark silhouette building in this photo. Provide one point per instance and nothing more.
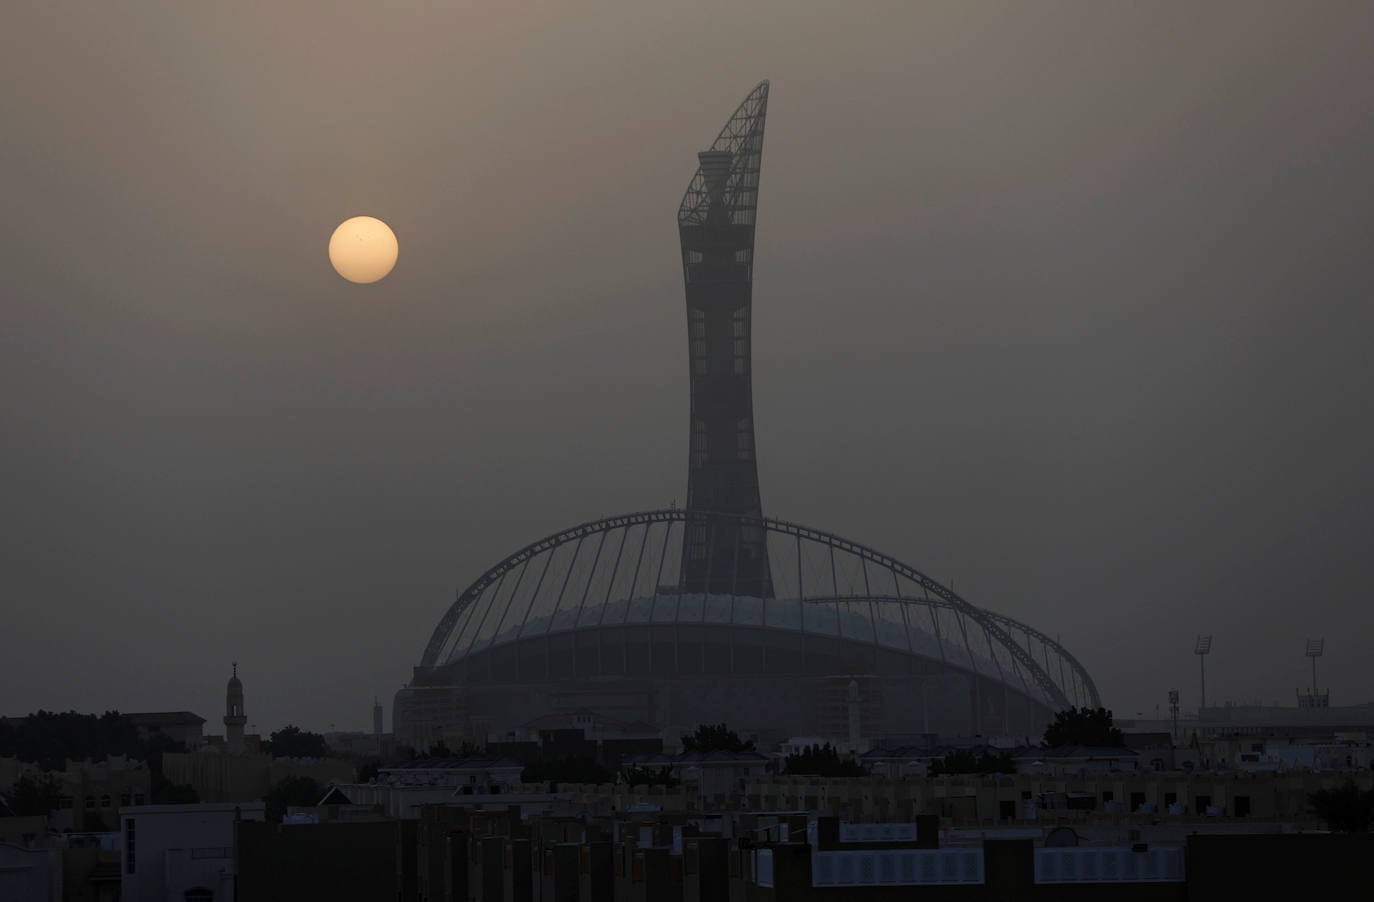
(716, 226)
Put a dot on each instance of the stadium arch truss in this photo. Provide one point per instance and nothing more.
(594, 578)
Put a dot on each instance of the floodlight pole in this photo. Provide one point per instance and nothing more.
(1315, 647)
(1201, 649)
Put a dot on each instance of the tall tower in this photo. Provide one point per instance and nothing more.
(377, 718)
(234, 718)
(716, 228)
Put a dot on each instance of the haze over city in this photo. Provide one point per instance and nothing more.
(1066, 306)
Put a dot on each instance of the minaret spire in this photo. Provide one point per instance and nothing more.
(234, 716)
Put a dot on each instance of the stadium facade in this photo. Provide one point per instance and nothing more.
(660, 620)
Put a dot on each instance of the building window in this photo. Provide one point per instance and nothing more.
(90, 803)
(700, 348)
(740, 328)
(105, 801)
(696, 543)
(130, 845)
(139, 798)
(700, 445)
(744, 439)
(1242, 806)
(124, 797)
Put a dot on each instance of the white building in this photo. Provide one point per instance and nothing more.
(30, 873)
(181, 852)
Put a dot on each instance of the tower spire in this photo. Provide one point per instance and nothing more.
(234, 716)
(716, 229)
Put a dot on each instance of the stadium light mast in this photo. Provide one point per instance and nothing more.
(1173, 711)
(1315, 647)
(1202, 649)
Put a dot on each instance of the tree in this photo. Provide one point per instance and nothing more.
(823, 761)
(440, 749)
(158, 745)
(34, 797)
(293, 742)
(299, 791)
(715, 738)
(963, 761)
(1347, 809)
(50, 739)
(165, 792)
(1084, 726)
(370, 770)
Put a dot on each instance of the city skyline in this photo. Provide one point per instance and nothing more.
(1066, 310)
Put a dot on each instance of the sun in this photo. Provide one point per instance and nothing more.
(363, 249)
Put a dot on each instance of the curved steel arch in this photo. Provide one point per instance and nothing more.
(995, 626)
(1082, 672)
(1012, 624)
(737, 149)
(548, 543)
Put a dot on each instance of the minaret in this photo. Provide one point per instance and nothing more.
(234, 718)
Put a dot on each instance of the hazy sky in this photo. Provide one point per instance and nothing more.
(1067, 303)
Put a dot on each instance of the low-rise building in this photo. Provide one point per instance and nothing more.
(30, 873)
(219, 777)
(180, 726)
(711, 776)
(183, 852)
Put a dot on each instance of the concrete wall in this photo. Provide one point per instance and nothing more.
(229, 778)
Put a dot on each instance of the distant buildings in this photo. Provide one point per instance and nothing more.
(237, 769)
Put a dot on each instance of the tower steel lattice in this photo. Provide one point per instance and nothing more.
(716, 228)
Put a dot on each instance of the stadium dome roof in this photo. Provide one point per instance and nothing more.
(625, 570)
